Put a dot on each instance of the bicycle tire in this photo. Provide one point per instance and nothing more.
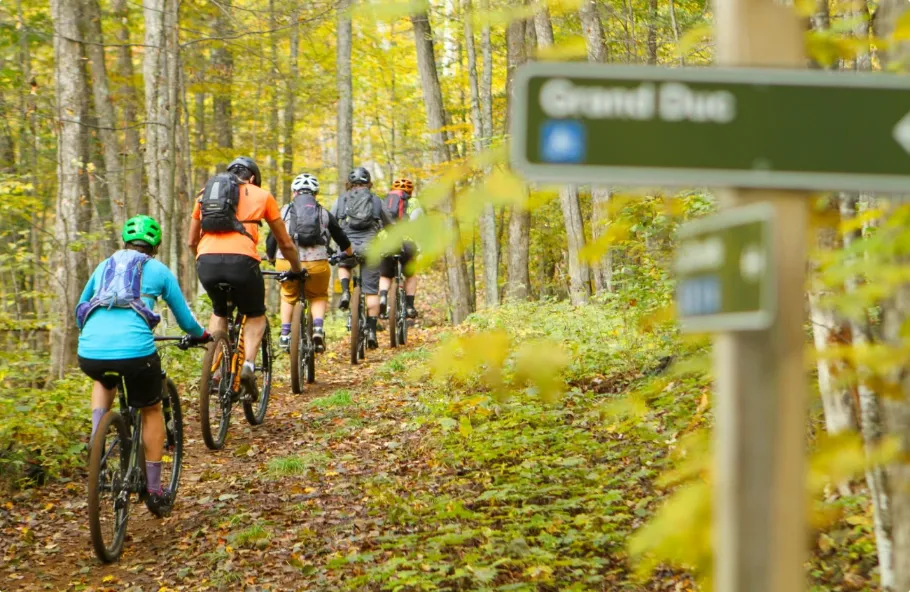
(356, 329)
(215, 440)
(108, 553)
(297, 350)
(364, 329)
(402, 317)
(255, 411)
(393, 313)
(310, 350)
(173, 438)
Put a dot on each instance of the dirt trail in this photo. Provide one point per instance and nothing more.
(236, 525)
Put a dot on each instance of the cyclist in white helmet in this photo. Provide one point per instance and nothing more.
(310, 226)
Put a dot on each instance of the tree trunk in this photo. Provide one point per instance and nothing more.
(290, 110)
(151, 71)
(544, 27)
(72, 215)
(223, 71)
(108, 199)
(273, 104)
(895, 314)
(602, 271)
(579, 276)
(674, 24)
(487, 219)
(456, 272)
(128, 99)
(518, 280)
(593, 31)
(170, 109)
(652, 32)
(345, 151)
(488, 234)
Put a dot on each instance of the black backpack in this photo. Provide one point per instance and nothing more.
(396, 204)
(306, 223)
(358, 209)
(218, 205)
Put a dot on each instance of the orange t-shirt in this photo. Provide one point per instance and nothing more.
(255, 204)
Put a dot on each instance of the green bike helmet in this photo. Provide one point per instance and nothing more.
(142, 228)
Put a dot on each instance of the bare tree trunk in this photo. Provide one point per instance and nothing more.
(72, 211)
(518, 280)
(487, 219)
(151, 70)
(345, 149)
(170, 108)
(675, 26)
(488, 234)
(131, 158)
(290, 109)
(108, 200)
(579, 276)
(223, 70)
(544, 28)
(602, 271)
(273, 104)
(652, 32)
(456, 272)
(593, 31)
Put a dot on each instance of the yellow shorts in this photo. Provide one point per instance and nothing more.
(317, 283)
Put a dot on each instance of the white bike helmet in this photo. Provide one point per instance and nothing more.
(305, 182)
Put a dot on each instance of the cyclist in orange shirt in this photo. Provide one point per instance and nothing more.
(232, 258)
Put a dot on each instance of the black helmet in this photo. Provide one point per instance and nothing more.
(249, 164)
(359, 176)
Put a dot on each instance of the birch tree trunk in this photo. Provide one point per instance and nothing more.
(456, 272)
(128, 99)
(108, 199)
(488, 234)
(518, 280)
(345, 150)
(544, 27)
(273, 104)
(169, 108)
(593, 31)
(579, 276)
(153, 11)
(674, 25)
(72, 215)
(290, 110)
(652, 32)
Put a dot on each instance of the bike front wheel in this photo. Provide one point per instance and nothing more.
(310, 350)
(393, 313)
(254, 410)
(172, 459)
(298, 349)
(401, 318)
(356, 329)
(108, 487)
(214, 391)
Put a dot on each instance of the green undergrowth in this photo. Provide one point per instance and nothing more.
(531, 487)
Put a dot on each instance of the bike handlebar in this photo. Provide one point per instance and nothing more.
(285, 276)
(184, 342)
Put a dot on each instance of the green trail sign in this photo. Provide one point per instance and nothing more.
(641, 125)
(725, 275)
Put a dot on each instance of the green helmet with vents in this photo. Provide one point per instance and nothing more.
(142, 228)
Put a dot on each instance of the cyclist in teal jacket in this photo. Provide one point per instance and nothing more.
(118, 342)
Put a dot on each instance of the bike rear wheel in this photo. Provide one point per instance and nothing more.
(393, 313)
(255, 410)
(310, 350)
(402, 317)
(364, 329)
(214, 392)
(108, 487)
(356, 329)
(298, 349)
(172, 459)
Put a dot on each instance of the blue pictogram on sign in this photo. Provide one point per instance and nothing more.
(562, 141)
(699, 296)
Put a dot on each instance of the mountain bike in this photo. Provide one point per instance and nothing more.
(357, 316)
(303, 350)
(398, 318)
(220, 387)
(116, 466)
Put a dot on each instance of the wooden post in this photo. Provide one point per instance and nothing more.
(760, 377)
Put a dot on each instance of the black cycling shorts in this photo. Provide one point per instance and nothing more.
(142, 377)
(242, 273)
(387, 266)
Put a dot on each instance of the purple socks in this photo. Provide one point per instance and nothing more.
(317, 323)
(153, 472)
(97, 414)
(285, 328)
